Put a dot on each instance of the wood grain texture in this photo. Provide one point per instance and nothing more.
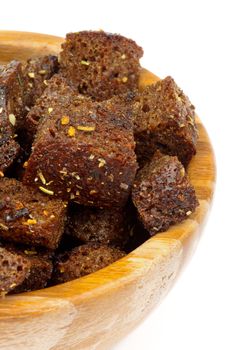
(95, 311)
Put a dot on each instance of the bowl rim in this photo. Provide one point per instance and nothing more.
(151, 252)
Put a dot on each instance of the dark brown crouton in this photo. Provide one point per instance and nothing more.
(11, 91)
(57, 95)
(105, 226)
(29, 217)
(9, 150)
(36, 73)
(14, 269)
(21, 85)
(162, 193)
(86, 154)
(164, 117)
(11, 105)
(40, 271)
(84, 260)
(22, 271)
(100, 64)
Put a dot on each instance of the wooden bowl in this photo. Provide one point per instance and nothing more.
(95, 311)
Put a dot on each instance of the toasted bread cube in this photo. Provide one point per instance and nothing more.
(11, 105)
(9, 151)
(84, 260)
(11, 92)
(85, 153)
(165, 119)
(109, 226)
(100, 64)
(162, 193)
(22, 271)
(57, 95)
(14, 269)
(30, 217)
(36, 73)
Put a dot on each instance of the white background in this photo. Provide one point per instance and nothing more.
(190, 40)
